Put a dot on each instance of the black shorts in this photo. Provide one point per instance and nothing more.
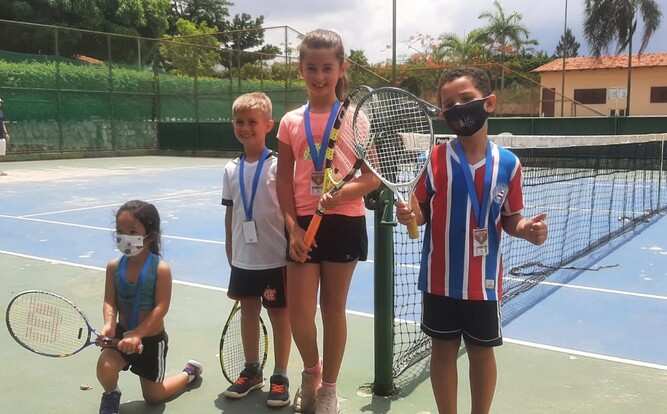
(478, 321)
(151, 363)
(268, 284)
(340, 239)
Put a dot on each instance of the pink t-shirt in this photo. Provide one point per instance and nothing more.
(293, 133)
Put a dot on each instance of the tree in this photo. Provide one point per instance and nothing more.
(567, 46)
(244, 32)
(608, 21)
(200, 56)
(148, 18)
(360, 71)
(505, 35)
(212, 12)
(454, 49)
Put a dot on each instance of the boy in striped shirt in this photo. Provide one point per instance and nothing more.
(470, 192)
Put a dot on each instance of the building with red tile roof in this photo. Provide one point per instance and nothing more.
(597, 86)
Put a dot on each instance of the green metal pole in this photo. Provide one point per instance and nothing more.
(287, 71)
(393, 44)
(114, 144)
(59, 98)
(384, 293)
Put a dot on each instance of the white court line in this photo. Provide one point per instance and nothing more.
(410, 266)
(371, 316)
(168, 197)
(593, 289)
(586, 354)
(85, 226)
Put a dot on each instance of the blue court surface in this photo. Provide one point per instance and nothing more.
(64, 211)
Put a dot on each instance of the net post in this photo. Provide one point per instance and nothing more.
(384, 293)
(660, 174)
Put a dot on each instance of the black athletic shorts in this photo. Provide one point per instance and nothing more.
(478, 321)
(268, 284)
(340, 239)
(151, 363)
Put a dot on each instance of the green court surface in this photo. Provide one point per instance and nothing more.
(531, 380)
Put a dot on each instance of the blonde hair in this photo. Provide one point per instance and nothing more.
(253, 100)
(326, 39)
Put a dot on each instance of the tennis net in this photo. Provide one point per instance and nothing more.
(593, 189)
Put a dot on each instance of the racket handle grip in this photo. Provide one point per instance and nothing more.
(413, 230)
(311, 231)
(105, 342)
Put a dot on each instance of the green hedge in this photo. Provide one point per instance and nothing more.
(42, 73)
(28, 85)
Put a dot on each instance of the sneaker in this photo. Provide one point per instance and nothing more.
(279, 393)
(247, 381)
(304, 400)
(194, 369)
(327, 401)
(110, 403)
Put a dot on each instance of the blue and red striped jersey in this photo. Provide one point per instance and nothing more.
(448, 266)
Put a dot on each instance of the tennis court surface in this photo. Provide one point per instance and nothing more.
(579, 341)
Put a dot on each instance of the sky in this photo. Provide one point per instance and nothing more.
(367, 24)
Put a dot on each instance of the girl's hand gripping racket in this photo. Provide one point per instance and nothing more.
(399, 139)
(50, 325)
(344, 156)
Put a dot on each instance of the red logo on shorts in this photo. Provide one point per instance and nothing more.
(270, 294)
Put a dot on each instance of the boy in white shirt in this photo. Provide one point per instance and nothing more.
(256, 246)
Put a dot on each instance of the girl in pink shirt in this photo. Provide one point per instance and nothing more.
(341, 240)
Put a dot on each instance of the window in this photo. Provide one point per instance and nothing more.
(591, 96)
(659, 94)
(616, 93)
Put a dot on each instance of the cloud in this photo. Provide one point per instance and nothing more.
(367, 24)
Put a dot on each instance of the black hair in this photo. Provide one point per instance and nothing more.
(480, 79)
(148, 216)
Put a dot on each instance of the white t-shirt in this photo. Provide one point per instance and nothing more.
(271, 248)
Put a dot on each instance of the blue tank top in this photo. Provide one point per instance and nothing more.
(126, 291)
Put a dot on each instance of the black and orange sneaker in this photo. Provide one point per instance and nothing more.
(279, 392)
(247, 381)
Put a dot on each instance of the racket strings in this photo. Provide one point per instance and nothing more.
(47, 324)
(346, 150)
(399, 137)
(232, 355)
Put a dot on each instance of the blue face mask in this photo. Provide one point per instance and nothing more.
(467, 118)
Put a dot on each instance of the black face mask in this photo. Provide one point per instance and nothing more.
(468, 118)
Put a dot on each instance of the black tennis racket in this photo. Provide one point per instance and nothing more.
(396, 130)
(51, 325)
(344, 157)
(232, 357)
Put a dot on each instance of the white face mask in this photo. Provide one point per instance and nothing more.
(129, 245)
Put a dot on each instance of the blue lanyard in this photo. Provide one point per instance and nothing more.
(122, 270)
(477, 209)
(318, 158)
(247, 207)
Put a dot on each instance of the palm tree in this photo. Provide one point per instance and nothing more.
(505, 34)
(459, 50)
(616, 20)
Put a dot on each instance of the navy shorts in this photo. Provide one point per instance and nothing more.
(151, 363)
(267, 284)
(339, 239)
(478, 321)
